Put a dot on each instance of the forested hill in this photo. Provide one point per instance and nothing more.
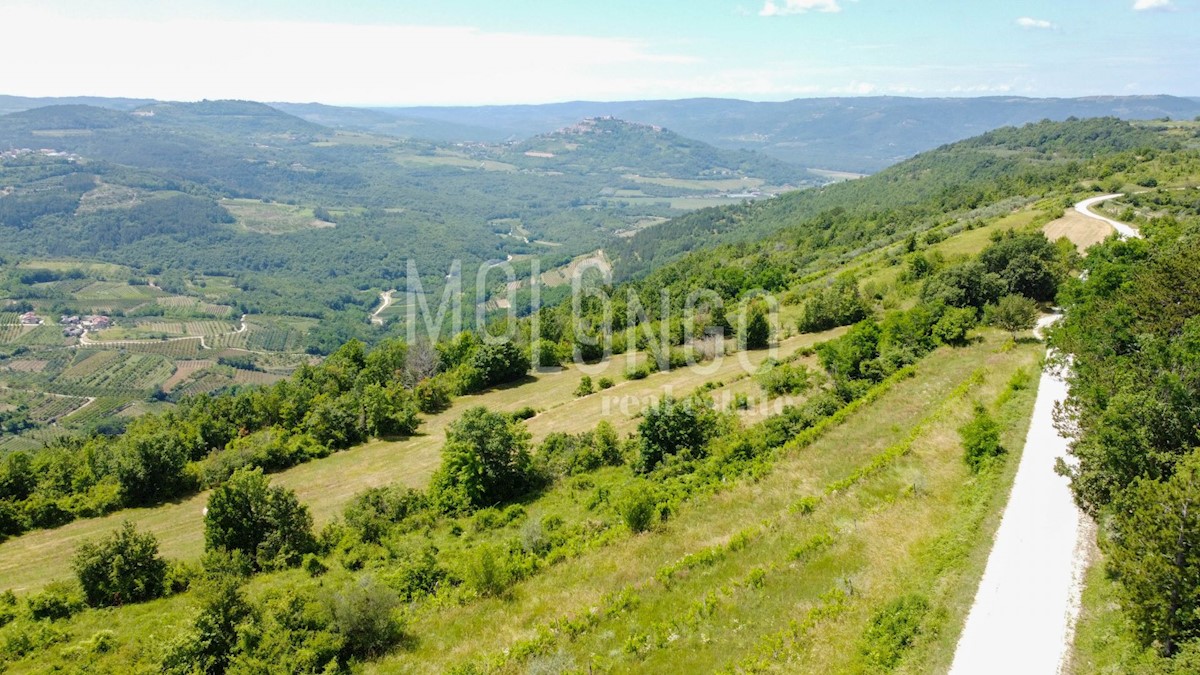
(243, 190)
(1012, 162)
(860, 134)
(611, 145)
(863, 134)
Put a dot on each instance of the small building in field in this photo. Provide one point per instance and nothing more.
(98, 322)
(31, 319)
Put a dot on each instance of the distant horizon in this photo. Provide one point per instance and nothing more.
(383, 106)
(471, 53)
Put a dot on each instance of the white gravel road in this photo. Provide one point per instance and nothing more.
(1024, 614)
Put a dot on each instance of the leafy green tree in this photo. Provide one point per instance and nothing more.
(980, 439)
(1155, 553)
(675, 426)
(954, 325)
(846, 357)
(1028, 264)
(337, 421)
(969, 284)
(840, 304)
(757, 333)
(485, 461)
(266, 523)
(390, 410)
(498, 364)
(150, 461)
(1014, 313)
(122, 568)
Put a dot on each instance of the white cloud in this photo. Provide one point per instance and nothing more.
(189, 59)
(1029, 22)
(1143, 5)
(770, 8)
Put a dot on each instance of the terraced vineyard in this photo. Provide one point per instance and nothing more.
(116, 371)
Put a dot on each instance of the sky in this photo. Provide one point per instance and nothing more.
(469, 52)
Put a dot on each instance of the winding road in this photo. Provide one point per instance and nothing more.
(385, 302)
(1024, 614)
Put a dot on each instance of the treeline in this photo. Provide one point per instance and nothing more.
(1132, 327)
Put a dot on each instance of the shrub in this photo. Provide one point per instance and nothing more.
(313, 565)
(266, 523)
(605, 383)
(433, 395)
(489, 571)
(585, 387)
(838, 305)
(58, 600)
(637, 372)
(124, 567)
(485, 461)
(891, 633)
(980, 439)
(638, 508)
(376, 510)
(1014, 313)
(954, 325)
(365, 615)
(672, 427)
(777, 379)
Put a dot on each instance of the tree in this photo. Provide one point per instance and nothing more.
(1027, 263)
(266, 523)
(1014, 313)
(1155, 553)
(954, 325)
(150, 460)
(674, 426)
(391, 410)
(967, 285)
(121, 568)
(757, 333)
(838, 305)
(980, 439)
(485, 461)
(497, 364)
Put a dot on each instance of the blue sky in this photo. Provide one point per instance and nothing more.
(377, 52)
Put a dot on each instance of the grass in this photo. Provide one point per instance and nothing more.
(34, 559)
(716, 185)
(916, 523)
(733, 579)
(1104, 639)
(254, 215)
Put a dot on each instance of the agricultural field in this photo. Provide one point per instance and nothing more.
(255, 215)
(701, 185)
(116, 371)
